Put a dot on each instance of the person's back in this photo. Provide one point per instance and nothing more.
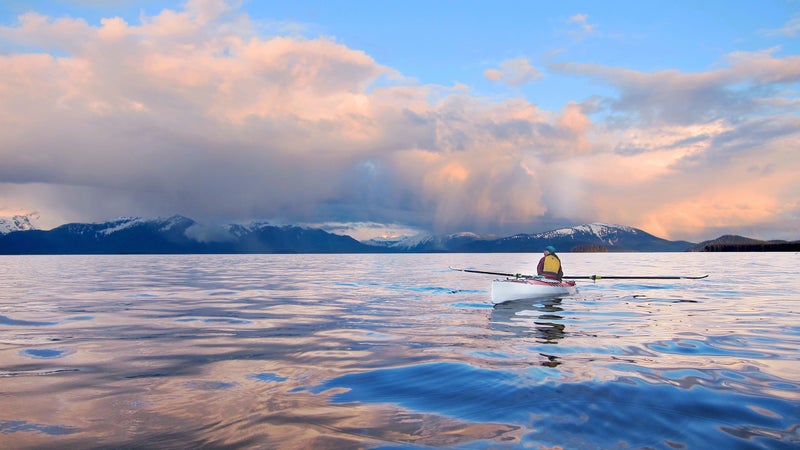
(550, 264)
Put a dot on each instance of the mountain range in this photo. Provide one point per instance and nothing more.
(594, 237)
(178, 235)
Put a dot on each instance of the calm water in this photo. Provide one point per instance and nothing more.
(397, 351)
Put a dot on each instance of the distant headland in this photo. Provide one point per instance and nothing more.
(732, 243)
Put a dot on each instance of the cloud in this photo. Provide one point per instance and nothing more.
(790, 29)
(194, 112)
(514, 72)
(367, 230)
(184, 114)
(584, 27)
(752, 83)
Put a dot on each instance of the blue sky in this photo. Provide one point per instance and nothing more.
(413, 116)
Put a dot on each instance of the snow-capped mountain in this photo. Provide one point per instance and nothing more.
(581, 238)
(605, 232)
(128, 224)
(178, 234)
(125, 235)
(240, 230)
(17, 223)
(587, 237)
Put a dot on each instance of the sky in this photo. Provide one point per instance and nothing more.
(681, 118)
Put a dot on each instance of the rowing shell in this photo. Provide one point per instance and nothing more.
(523, 288)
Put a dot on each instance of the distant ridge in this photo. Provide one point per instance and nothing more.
(733, 243)
(181, 235)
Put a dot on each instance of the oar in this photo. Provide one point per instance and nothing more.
(514, 275)
(587, 277)
(630, 277)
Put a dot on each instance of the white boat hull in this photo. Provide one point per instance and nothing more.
(523, 288)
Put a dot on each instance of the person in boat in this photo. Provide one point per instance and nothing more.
(550, 264)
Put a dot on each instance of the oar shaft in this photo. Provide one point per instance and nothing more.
(612, 277)
(502, 274)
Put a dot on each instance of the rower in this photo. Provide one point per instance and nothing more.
(550, 264)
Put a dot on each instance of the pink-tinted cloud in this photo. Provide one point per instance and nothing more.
(514, 72)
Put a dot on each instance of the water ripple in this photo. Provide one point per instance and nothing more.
(23, 323)
(484, 395)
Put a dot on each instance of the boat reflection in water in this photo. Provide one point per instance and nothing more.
(534, 318)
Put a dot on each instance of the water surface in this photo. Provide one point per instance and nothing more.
(396, 351)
